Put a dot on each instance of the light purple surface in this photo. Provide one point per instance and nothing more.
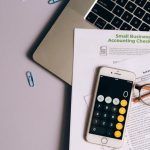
(30, 118)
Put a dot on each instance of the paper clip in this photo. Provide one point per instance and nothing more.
(53, 1)
(30, 78)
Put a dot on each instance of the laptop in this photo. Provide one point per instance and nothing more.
(55, 53)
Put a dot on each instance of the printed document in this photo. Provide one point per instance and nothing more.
(138, 126)
(94, 48)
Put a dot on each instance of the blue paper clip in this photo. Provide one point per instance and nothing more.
(53, 1)
(30, 78)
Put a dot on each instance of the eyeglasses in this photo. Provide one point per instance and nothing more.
(142, 93)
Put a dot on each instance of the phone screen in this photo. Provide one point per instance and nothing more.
(111, 106)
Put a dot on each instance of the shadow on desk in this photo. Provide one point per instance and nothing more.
(47, 27)
(64, 138)
(64, 135)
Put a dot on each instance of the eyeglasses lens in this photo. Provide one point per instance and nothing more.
(145, 94)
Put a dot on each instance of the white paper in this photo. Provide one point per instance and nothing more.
(139, 117)
(87, 47)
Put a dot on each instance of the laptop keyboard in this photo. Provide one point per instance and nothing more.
(120, 14)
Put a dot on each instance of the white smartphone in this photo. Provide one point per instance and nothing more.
(110, 107)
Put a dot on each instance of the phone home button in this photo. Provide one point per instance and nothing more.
(104, 140)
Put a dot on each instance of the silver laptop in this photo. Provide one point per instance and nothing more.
(55, 52)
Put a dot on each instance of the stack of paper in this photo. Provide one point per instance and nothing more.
(94, 48)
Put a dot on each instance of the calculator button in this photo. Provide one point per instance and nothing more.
(120, 118)
(108, 100)
(98, 130)
(95, 121)
(113, 117)
(114, 109)
(119, 126)
(110, 132)
(100, 98)
(101, 130)
(96, 114)
(98, 106)
(123, 102)
(122, 110)
(103, 123)
(111, 125)
(106, 108)
(105, 115)
(117, 134)
(116, 101)
(94, 129)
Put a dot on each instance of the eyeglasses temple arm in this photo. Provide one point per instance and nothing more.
(137, 99)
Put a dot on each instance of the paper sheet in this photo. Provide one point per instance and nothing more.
(87, 49)
(139, 118)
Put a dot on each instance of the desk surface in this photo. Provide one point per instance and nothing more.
(30, 117)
